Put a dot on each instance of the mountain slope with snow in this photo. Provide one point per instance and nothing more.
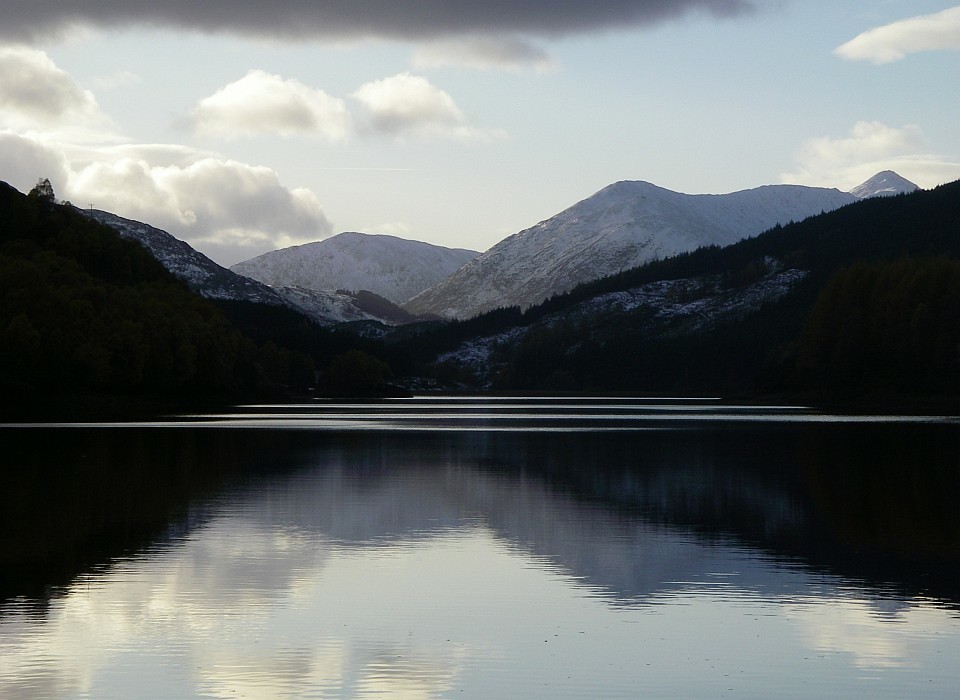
(213, 281)
(201, 274)
(392, 267)
(621, 226)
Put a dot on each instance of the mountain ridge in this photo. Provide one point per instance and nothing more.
(391, 267)
(213, 281)
(623, 225)
(764, 314)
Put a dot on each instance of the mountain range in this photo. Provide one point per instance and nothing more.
(364, 277)
(862, 298)
(213, 281)
(622, 226)
(860, 301)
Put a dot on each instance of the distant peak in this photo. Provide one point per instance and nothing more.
(884, 184)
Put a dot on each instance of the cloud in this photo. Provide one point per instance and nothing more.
(50, 127)
(229, 210)
(23, 161)
(214, 204)
(32, 20)
(36, 95)
(870, 147)
(892, 42)
(261, 102)
(483, 52)
(409, 105)
(401, 106)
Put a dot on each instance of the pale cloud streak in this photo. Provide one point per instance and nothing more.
(262, 103)
(484, 53)
(870, 147)
(116, 81)
(33, 20)
(894, 41)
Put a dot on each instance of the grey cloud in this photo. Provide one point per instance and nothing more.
(24, 161)
(346, 19)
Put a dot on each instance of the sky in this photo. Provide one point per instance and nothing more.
(241, 126)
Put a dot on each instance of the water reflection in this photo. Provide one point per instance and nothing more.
(695, 563)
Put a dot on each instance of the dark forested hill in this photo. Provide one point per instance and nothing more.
(793, 309)
(84, 313)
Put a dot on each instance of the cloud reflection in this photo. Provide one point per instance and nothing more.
(873, 637)
(373, 574)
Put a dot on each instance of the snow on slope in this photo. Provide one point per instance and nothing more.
(203, 276)
(394, 268)
(213, 281)
(675, 307)
(884, 184)
(621, 226)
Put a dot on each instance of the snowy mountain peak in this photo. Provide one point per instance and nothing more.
(884, 184)
(394, 268)
(623, 225)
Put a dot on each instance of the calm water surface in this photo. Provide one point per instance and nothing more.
(524, 548)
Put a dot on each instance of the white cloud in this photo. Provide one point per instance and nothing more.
(50, 127)
(483, 53)
(261, 102)
(409, 105)
(892, 42)
(214, 204)
(36, 95)
(870, 147)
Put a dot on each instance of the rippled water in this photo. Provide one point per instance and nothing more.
(527, 548)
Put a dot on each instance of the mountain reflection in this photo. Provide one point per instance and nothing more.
(628, 517)
(629, 514)
(370, 564)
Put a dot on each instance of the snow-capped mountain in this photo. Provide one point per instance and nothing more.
(884, 184)
(394, 268)
(213, 281)
(621, 226)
